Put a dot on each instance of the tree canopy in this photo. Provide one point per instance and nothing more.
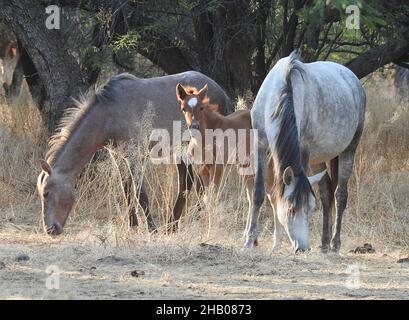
(235, 42)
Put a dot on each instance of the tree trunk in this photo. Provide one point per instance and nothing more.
(260, 66)
(378, 56)
(57, 70)
(225, 42)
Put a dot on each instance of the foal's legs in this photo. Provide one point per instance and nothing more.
(216, 172)
(345, 167)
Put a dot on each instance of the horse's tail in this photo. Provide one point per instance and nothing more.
(294, 64)
(285, 145)
(334, 179)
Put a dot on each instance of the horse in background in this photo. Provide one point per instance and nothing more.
(308, 114)
(114, 113)
(401, 82)
(9, 57)
(216, 154)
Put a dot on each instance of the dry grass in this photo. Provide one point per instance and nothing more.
(377, 211)
(378, 202)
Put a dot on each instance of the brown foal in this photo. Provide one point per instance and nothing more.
(200, 115)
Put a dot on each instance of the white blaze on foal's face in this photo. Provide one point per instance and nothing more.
(192, 102)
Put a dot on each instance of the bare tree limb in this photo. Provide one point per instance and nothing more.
(378, 56)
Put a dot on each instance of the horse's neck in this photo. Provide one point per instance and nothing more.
(81, 145)
(214, 120)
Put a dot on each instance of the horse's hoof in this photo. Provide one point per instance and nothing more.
(172, 228)
(276, 249)
(153, 229)
(324, 249)
(250, 244)
(335, 250)
(133, 220)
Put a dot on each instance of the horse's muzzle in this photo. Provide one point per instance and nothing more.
(54, 229)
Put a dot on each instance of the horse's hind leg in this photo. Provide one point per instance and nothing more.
(327, 197)
(185, 182)
(143, 202)
(345, 167)
(133, 219)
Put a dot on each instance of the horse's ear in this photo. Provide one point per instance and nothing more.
(13, 50)
(288, 176)
(316, 178)
(45, 166)
(181, 93)
(202, 93)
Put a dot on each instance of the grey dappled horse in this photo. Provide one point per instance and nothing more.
(306, 114)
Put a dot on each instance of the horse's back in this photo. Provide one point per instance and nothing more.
(240, 115)
(329, 103)
(195, 79)
(138, 99)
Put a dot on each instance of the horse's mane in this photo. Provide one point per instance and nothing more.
(73, 117)
(287, 150)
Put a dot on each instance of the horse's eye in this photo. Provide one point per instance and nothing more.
(45, 194)
(201, 108)
(183, 110)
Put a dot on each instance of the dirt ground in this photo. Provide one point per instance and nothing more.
(169, 267)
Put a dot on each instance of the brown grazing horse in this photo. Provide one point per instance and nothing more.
(202, 115)
(113, 114)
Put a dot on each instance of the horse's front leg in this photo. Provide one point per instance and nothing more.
(278, 228)
(258, 199)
